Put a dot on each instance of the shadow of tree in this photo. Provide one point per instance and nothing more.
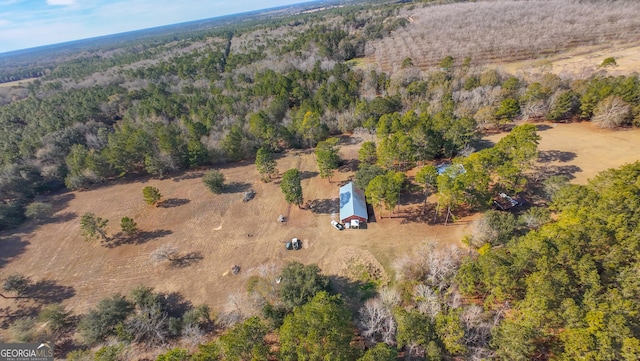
(543, 127)
(175, 304)
(49, 291)
(547, 156)
(9, 315)
(63, 217)
(11, 247)
(412, 195)
(481, 144)
(345, 182)
(422, 214)
(324, 206)
(236, 187)
(61, 201)
(354, 292)
(546, 171)
(173, 202)
(186, 176)
(141, 237)
(186, 260)
(349, 140)
(66, 345)
(308, 174)
(58, 203)
(43, 292)
(146, 236)
(350, 165)
(372, 214)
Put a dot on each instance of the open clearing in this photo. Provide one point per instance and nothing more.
(223, 229)
(226, 232)
(582, 61)
(21, 82)
(581, 150)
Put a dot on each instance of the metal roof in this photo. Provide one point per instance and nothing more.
(352, 202)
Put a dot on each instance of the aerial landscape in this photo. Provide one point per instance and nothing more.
(327, 180)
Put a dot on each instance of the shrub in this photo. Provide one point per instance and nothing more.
(16, 283)
(55, 316)
(214, 180)
(128, 226)
(151, 195)
(176, 354)
(611, 61)
(102, 321)
(80, 355)
(109, 353)
(38, 210)
(24, 330)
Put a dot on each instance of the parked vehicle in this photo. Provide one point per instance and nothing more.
(337, 225)
(294, 244)
(248, 195)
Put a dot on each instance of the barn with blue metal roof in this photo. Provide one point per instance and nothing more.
(352, 204)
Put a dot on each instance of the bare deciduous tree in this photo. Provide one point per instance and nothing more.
(389, 297)
(477, 30)
(440, 265)
(427, 300)
(193, 334)
(534, 109)
(150, 324)
(376, 322)
(477, 325)
(612, 112)
(165, 253)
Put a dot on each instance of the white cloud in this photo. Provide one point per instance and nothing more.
(22, 37)
(61, 2)
(53, 21)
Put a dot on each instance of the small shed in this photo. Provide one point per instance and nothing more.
(352, 204)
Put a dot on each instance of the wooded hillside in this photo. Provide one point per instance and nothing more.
(557, 281)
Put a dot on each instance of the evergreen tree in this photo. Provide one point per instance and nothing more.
(93, 226)
(265, 164)
(318, 330)
(151, 195)
(327, 157)
(291, 187)
(367, 153)
(214, 180)
(245, 341)
(128, 226)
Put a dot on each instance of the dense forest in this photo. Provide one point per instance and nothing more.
(559, 281)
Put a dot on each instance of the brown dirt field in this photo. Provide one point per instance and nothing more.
(581, 61)
(581, 150)
(222, 228)
(227, 231)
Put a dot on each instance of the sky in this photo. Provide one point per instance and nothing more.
(30, 23)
